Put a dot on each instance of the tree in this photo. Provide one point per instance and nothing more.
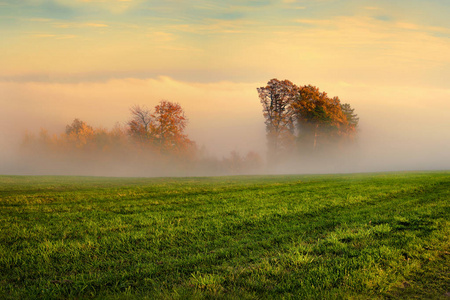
(79, 133)
(163, 129)
(276, 99)
(352, 118)
(77, 127)
(317, 114)
(168, 128)
(140, 126)
(303, 116)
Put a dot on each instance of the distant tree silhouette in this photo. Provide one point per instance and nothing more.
(140, 126)
(276, 98)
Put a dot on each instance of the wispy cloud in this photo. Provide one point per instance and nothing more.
(218, 26)
(314, 21)
(220, 39)
(57, 23)
(103, 1)
(160, 36)
(55, 36)
(78, 25)
(417, 27)
(95, 25)
(40, 20)
(112, 6)
(388, 27)
(44, 35)
(211, 6)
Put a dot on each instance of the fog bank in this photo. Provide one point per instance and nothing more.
(401, 128)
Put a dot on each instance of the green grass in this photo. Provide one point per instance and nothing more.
(333, 236)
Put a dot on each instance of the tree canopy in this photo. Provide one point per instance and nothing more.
(162, 129)
(303, 117)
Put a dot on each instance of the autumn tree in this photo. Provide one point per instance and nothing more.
(168, 128)
(303, 116)
(140, 127)
(163, 128)
(77, 127)
(317, 115)
(79, 133)
(276, 98)
(152, 142)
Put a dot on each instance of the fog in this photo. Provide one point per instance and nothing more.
(401, 128)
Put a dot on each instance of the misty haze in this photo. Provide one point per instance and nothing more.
(222, 119)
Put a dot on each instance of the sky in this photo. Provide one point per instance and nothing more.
(93, 59)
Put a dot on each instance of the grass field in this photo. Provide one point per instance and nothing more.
(362, 236)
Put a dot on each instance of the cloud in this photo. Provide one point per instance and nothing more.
(66, 24)
(215, 26)
(342, 48)
(78, 25)
(422, 28)
(317, 22)
(95, 25)
(44, 35)
(40, 20)
(352, 49)
(104, 1)
(52, 9)
(110, 6)
(160, 36)
(56, 36)
(410, 41)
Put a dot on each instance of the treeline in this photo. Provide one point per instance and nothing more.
(150, 143)
(302, 122)
(305, 127)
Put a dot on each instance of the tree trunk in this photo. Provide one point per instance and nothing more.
(315, 137)
(272, 149)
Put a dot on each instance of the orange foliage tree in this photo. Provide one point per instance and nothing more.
(168, 129)
(162, 130)
(304, 114)
(318, 115)
(79, 133)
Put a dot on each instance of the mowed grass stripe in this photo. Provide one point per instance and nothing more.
(327, 236)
